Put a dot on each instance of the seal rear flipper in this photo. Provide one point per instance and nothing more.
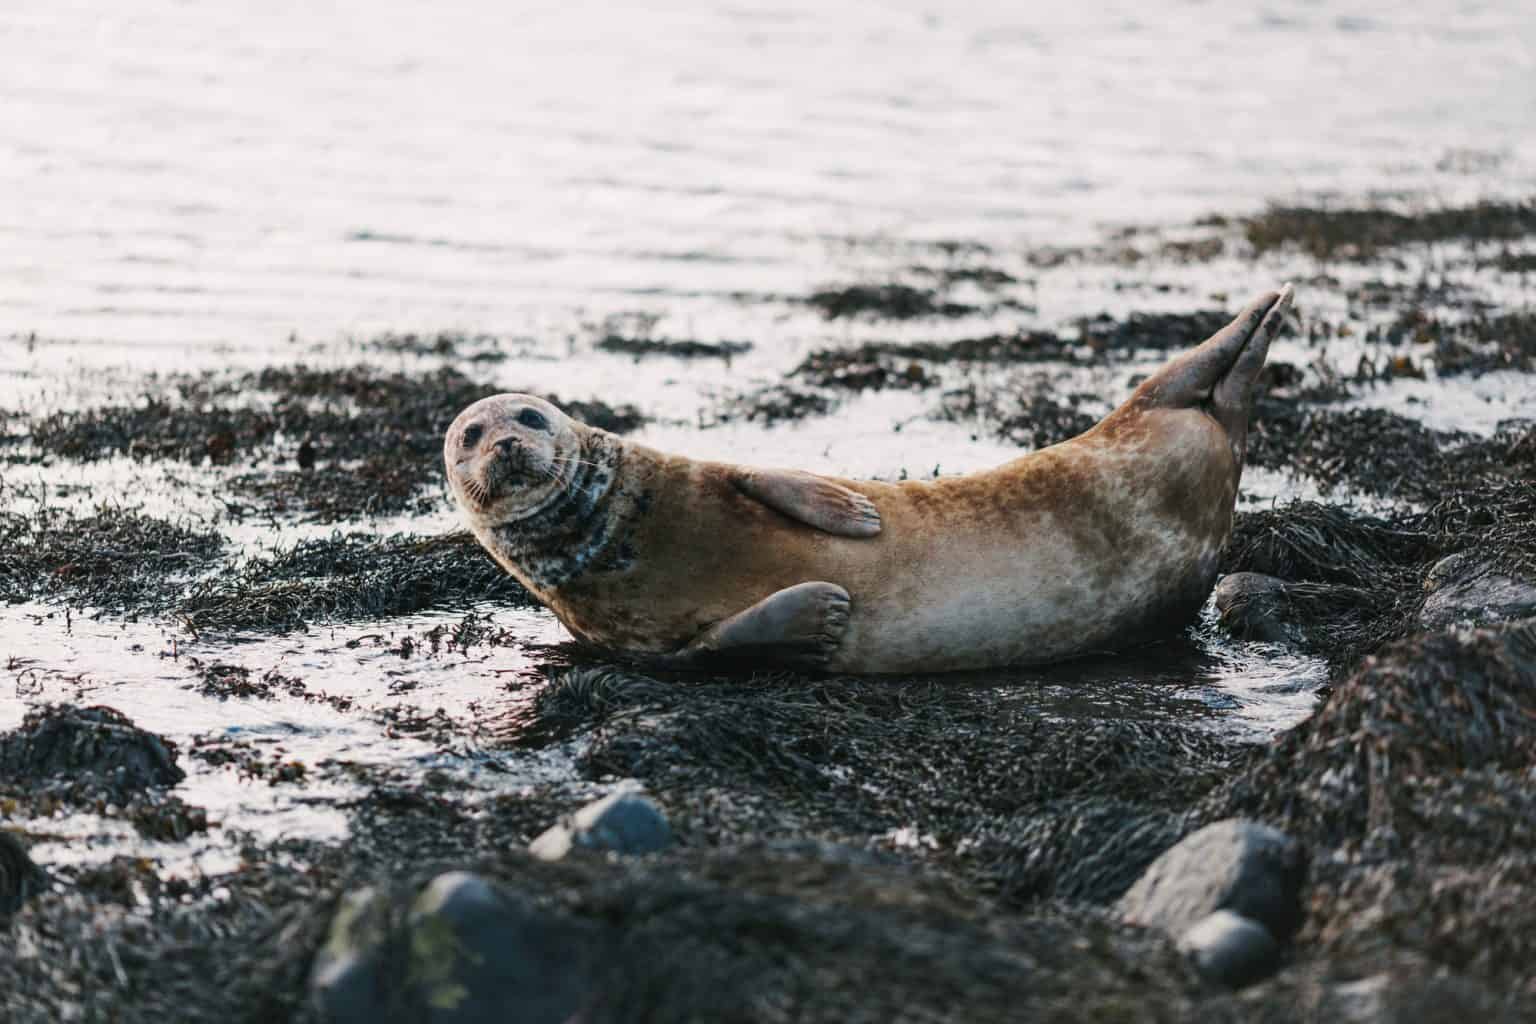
(1222, 370)
(801, 626)
(812, 500)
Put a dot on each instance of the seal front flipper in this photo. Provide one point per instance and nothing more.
(812, 500)
(801, 626)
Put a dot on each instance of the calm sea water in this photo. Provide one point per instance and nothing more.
(176, 172)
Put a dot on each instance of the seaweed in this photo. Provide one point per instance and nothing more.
(1379, 452)
(1355, 581)
(678, 349)
(1160, 332)
(94, 746)
(1361, 233)
(1475, 346)
(1022, 412)
(366, 441)
(477, 348)
(112, 558)
(775, 403)
(852, 370)
(886, 301)
(351, 576)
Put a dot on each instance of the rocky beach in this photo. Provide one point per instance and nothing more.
(280, 742)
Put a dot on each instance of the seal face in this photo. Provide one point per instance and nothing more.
(1101, 542)
(540, 491)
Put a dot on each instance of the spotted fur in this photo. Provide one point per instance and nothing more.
(587, 527)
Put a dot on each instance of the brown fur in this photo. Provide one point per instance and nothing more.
(951, 537)
(1098, 543)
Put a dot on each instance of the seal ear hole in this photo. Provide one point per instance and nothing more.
(533, 419)
(472, 434)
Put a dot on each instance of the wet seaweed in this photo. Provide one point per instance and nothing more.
(20, 878)
(1356, 581)
(900, 363)
(1158, 332)
(1474, 346)
(476, 348)
(1516, 262)
(96, 746)
(847, 759)
(775, 403)
(1379, 452)
(984, 277)
(852, 370)
(1025, 413)
(349, 577)
(112, 558)
(886, 301)
(380, 486)
(1417, 771)
(685, 348)
(1338, 778)
(1361, 233)
(367, 442)
(225, 680)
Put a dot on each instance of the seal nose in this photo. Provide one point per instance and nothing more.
(506, 446)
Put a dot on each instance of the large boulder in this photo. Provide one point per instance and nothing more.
(1229, 895)
(1241, 866)
(464, 951)
(1465, 592)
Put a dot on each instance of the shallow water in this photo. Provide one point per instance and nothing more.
(217, 173)
(215, 186)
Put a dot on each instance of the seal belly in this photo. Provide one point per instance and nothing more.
(1084, 547)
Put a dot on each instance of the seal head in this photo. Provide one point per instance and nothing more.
(509, 457)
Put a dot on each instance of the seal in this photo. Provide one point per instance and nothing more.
(1100, 543)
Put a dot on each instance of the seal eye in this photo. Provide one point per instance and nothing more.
(472, 434)
(533, 419)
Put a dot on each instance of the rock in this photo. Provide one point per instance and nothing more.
(63, 742)
(1250, 869)
(1463, 592)
(1363, 1001)
(619, 823)
(468, 953)
(19, 876)
(1253, 606)
(1230, 949)
(346, 982)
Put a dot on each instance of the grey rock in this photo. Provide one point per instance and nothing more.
(346, 980)
(1251, 869)
(1253, 606)
(468, 953)
(620, 823)
(1230, 949)
(1463, 592)
(19, 876)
